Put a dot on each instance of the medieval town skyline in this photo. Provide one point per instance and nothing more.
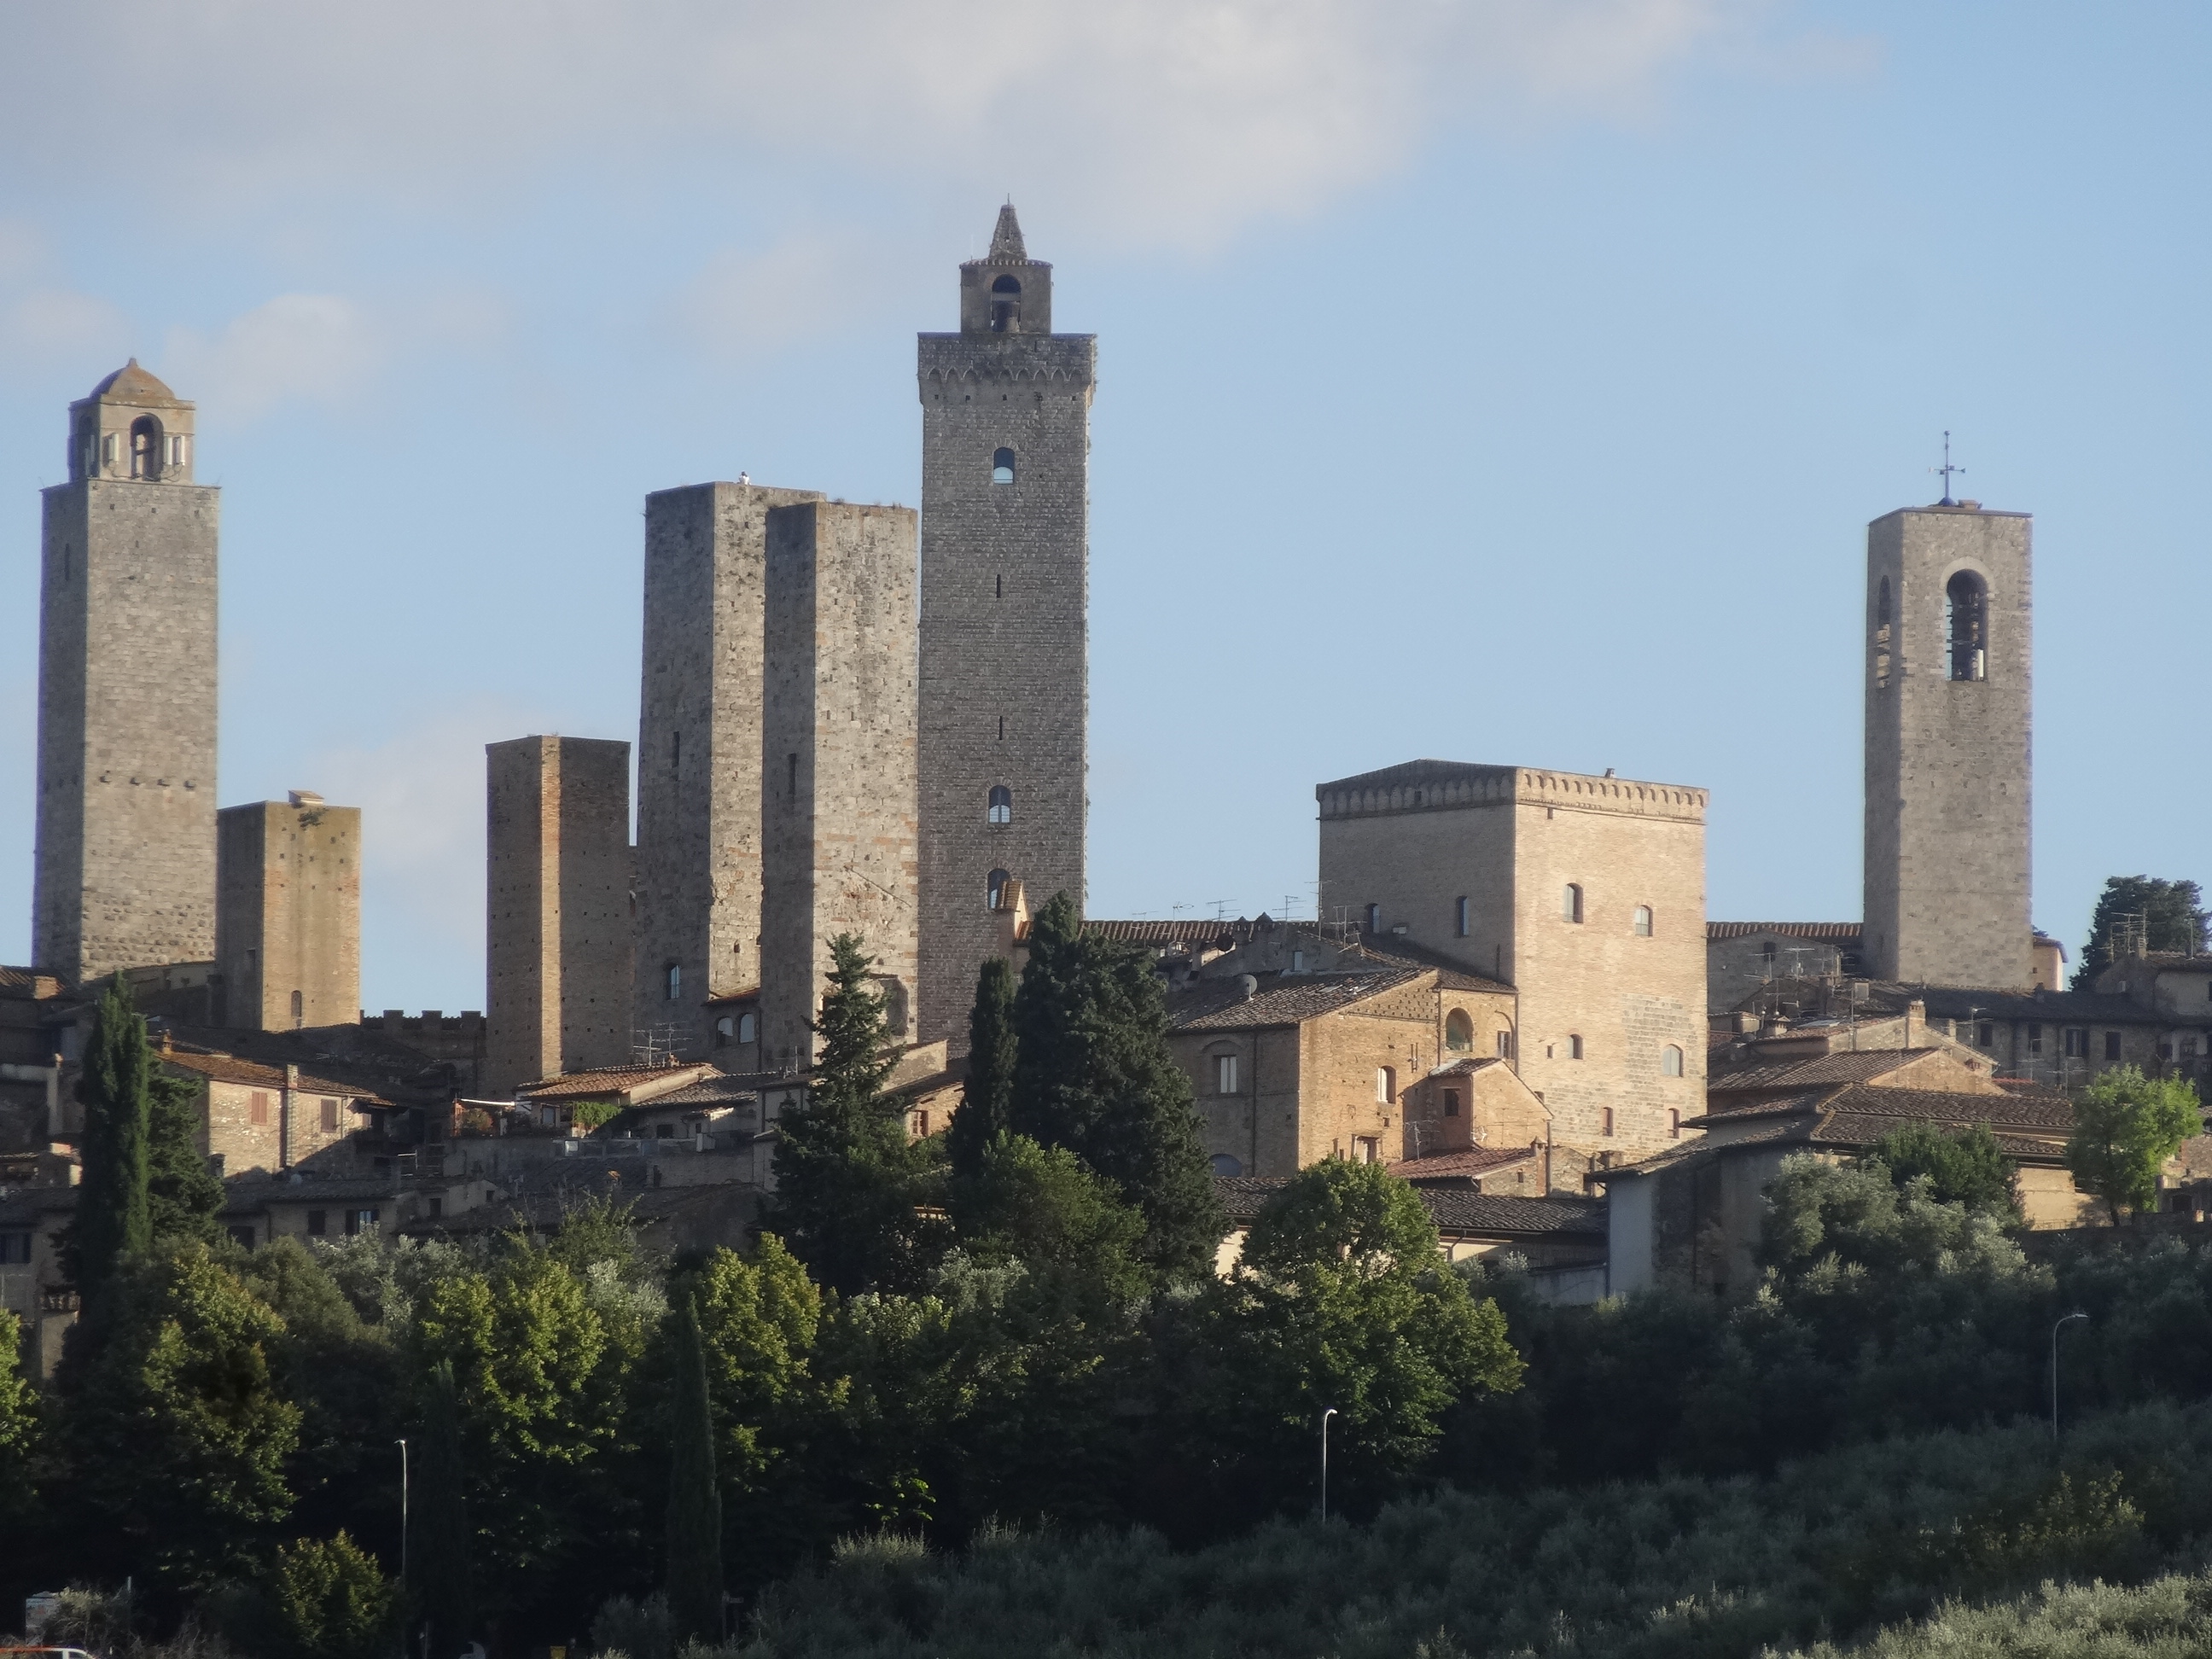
(1589, 407)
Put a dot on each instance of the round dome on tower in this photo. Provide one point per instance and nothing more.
(133, 385)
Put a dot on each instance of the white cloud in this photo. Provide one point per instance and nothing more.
(319, 347)
(61, 326)
(1157, 121)
(743, 303)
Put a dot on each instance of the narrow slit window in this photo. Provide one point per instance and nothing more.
(1386, 1085)
(1965, 618)
(1225, 1074)
(1459, 916)
(673, 981)
(1644, 921)
(1002, 466)
(1570, 901)
(1574, 1045)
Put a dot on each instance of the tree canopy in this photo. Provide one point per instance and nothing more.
(113, 1222)
(1962, 1166)
(2125, 1127)
(2173, 917)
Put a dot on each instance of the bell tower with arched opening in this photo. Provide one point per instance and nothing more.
(1005, 502)
(127, 816)
(1948, 653)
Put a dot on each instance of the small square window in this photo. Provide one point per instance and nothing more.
(1986, 1035)
(318, 1223)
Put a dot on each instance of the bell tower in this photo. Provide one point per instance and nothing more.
(1005, 417)
(126, 816)
(1949, 648)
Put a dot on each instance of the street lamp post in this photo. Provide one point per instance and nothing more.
(1325, 1416)
(403, 1511)
(2065, 1319)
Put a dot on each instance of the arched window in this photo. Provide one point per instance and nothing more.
(1226, 1166)
(146, 448)
(1670, 1061)
(299, 1009)
(1642, 922)
(1881, 605)
(1005, 306)
(1002, 466)
(994, 889)
(1608, 1126)
(747, 1027)
(1570, 901)
(1386, 1085)
(1966, 622)
(1574, 1045)
(674, 980)
(1459, 1031)
(1002, 809)
(725, 1031)
(1451, 1102)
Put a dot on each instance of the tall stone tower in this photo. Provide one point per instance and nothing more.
(699, 752)
(1948, 649)
(287, 913)
(1005, 596)
(557, 944)
(126, 843)
(838, 831)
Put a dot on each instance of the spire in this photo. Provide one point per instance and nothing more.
(1007, 239)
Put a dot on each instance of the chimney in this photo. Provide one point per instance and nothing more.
(1914, 1009)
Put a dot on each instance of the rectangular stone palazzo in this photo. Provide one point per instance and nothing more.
(557, 901)
(125, 863)
(1949, 649)
(836, 779)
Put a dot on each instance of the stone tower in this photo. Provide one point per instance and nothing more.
(126, 842)
(699, 752)
(1004, 594)
(838, 818)
(558, 937)
(1948, 622)
(287, 913)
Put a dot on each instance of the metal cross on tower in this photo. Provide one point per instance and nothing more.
(1947, 471)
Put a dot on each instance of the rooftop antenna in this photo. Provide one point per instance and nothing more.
(1947, 470)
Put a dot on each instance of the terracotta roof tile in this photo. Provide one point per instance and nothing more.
(1812, 1073)
(1832, 932)
(1221, 1006)
(225, 1068)
(610, 1080)
(1478, 1161)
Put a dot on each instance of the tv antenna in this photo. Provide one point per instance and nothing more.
(1947, 471)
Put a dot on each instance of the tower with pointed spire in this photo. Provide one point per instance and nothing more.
(126, 868)
(1004, 600)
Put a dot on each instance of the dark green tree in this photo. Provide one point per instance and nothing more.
(1039, 1205)
(18, 1420)
(987, 1102)
(1963, 1166)
(184, 1197)
(441, 1583)
(113, 1222)
(1092, 1073)
(2125, 1127)
(327, 1599)
(2174, 920)
(695, 1498)
(844, 1198)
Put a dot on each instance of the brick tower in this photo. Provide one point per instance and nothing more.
(1005, 593)
(126, 842)
(1949, 621)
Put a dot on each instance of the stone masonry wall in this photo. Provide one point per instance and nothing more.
(1004, 591)
(126, 862)
(839, 835)
(558, 939)
(699, 750)
(1948, 777)
(288, 915)
(271, 1127)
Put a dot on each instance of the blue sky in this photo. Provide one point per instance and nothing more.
(1502, 380)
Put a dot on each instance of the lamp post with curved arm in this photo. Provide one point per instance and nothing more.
(2064, 1319)
(1325, 1416)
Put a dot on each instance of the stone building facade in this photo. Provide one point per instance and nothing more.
(698, 923)
(557, 935)
(1948, 625)
(126, 838)
(838, 836)
(1005, 595)
(288, 915)
(269, 1117)
(1585, 894)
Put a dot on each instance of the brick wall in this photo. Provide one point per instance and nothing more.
(558, 940)
(1947, 761)
(270, 1127)
(837, 778)
(1004, 591)
(125, 860)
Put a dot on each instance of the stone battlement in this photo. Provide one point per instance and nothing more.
(1427, 786)
(991, 357)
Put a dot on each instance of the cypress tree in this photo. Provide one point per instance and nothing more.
(440, 1586)
(1092, 1072)
(695, 1501)
(112, 1218)
(183, 1195)
(987, 1102)
(843, 1199)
